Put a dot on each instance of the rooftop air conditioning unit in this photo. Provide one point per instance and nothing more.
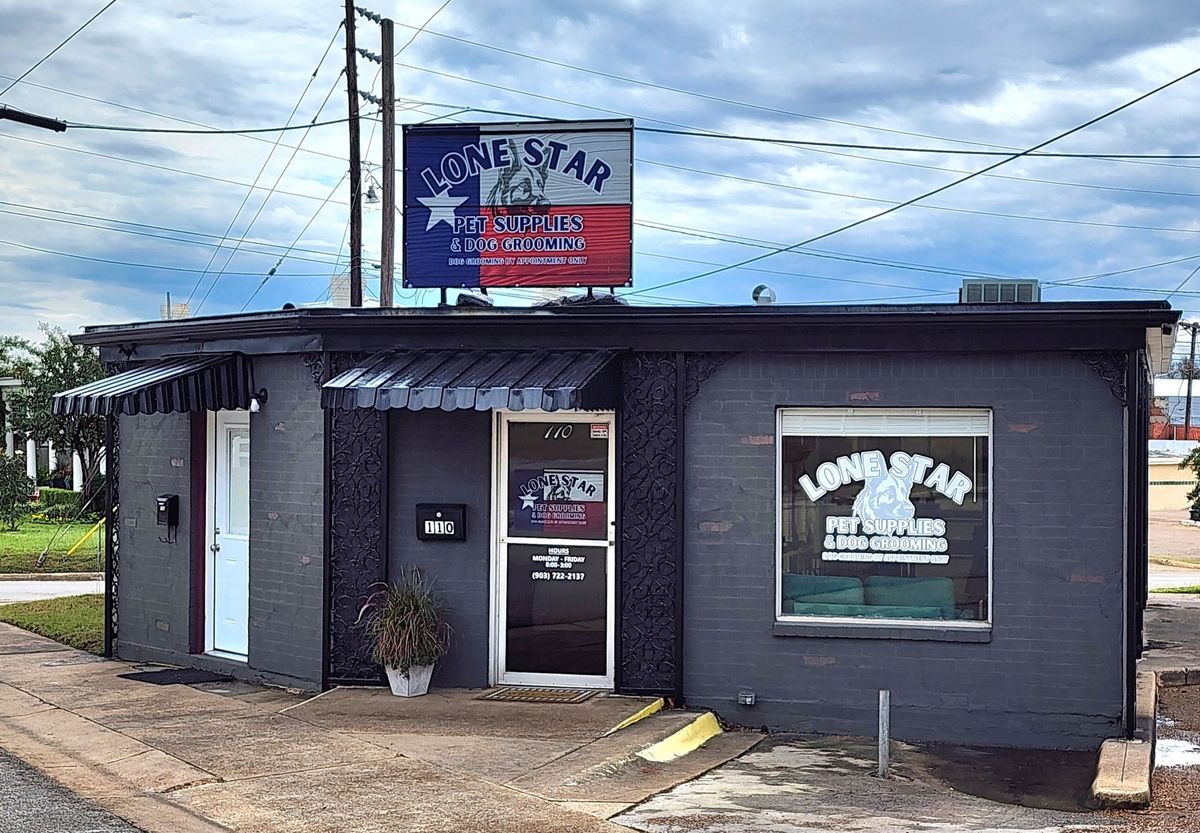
(998, 291)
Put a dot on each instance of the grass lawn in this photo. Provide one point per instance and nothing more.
(77, 621)
(19, 550)
(1195, 588)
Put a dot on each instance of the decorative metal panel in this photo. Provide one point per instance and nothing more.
(357, 536)
(651, 552)
(112, 531)
(1111, 368)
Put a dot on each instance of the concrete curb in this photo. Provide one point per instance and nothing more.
(640, 714)
(1178, 677)
(691, 737)
(1123, 771)
(51, 576)
(1167, 561)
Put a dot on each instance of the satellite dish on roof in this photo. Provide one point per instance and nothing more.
(763, 295)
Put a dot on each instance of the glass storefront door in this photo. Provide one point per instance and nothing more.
(555, 550)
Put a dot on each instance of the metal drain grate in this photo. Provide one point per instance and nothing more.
(511, 694)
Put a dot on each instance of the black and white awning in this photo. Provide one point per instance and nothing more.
(481, 380)
(208, 382)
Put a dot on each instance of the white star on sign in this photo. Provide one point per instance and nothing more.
(527, 498)
(441, 208)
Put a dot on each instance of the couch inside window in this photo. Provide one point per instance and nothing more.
(879, 597)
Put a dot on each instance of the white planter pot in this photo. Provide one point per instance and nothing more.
(413, 684)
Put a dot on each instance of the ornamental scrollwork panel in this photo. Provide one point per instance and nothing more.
(358, 555)
(651, 541)
(1111, 368)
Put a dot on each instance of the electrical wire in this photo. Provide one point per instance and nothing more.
(63, 43)
(136, 265)
(279, 262)
(168, 117)
(151, 165)
(924, 206)
(266, 161)
(230, 132)
(705, 96)
(102, 219)
(940, 189)
(279, 178)
(806, 143)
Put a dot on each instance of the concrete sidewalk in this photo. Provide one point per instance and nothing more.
(186, 760)
(35, 590)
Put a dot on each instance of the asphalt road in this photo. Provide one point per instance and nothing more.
(28, 591)
(32, 803)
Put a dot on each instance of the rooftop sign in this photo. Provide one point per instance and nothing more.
(526, 204)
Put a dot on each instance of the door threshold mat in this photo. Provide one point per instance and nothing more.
(521, 694)
(176, 676)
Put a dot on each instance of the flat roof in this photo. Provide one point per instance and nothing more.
(1051, 325)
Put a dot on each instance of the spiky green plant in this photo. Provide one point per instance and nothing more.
(407, 622)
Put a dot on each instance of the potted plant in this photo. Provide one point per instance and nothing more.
(407, 623)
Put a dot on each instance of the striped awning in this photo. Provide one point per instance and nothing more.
(209, 382)
(481, 380)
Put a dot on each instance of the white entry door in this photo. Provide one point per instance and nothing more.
(229, 535)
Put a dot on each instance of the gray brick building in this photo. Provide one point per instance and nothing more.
(773, 512)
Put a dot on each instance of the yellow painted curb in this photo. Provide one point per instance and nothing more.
(690, 737)
(641, 713)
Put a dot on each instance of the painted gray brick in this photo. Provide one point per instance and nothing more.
(1052, 673)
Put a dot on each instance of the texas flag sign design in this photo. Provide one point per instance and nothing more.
(527, 204)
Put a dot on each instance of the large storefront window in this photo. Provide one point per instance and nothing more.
(884, 514)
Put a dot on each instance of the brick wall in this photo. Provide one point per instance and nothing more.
(445, 457)
(1051, 674)
(286, 534)
(287, 516)
(154, 578)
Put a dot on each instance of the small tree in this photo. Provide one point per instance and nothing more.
(51, 367)
(1192, 461)
(15, 488)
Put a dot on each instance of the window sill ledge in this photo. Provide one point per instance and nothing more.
(854, 630)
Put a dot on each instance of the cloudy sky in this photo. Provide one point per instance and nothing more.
(100, 226)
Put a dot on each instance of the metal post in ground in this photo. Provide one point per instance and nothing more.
(885, 708)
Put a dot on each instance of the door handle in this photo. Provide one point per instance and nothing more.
(214, 547)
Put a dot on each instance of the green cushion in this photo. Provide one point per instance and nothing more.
(842, 590)
(867, 611)
(912, 592)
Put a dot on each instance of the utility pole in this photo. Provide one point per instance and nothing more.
(1191, 374)
(356, 293)
(387, 247)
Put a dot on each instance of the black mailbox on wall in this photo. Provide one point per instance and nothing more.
(441, 522)
(167, 510)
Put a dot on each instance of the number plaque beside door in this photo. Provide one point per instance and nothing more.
(441, 522)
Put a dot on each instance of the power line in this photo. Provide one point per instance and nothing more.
(937, 190)
(263, 167)
(64, 42)
(806, 143)
(926, 207)
(181, 120)
(278, 179)
(178, 130)
(137, 265)
(153, 227)
(706, 96)
(153, 166)
(283, 256)
(165, 237)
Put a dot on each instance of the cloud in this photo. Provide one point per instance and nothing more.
(1007, 75)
